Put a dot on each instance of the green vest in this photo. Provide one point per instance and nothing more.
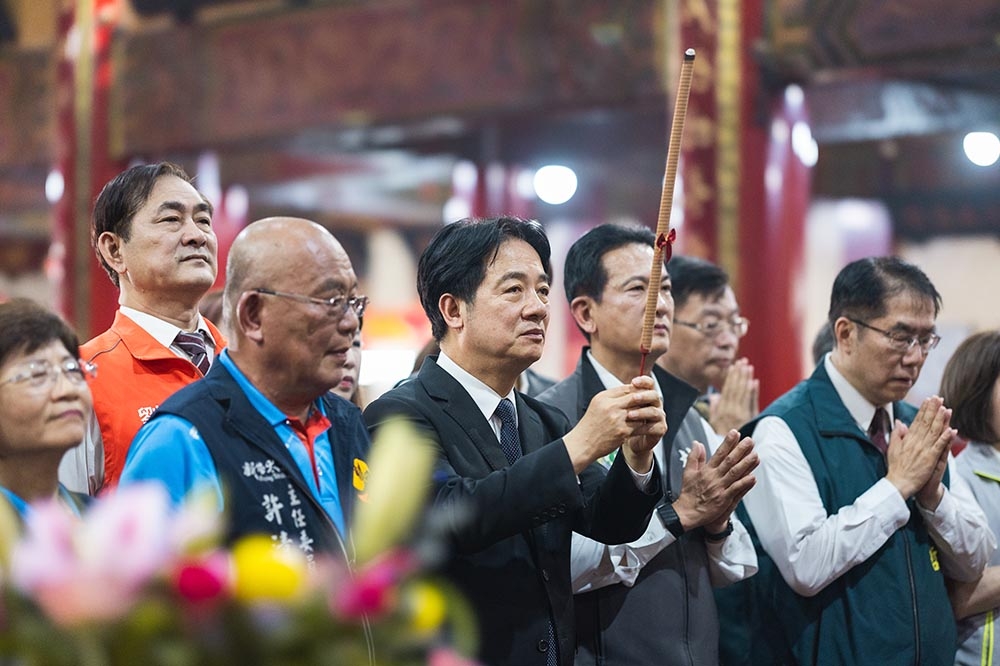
(892, 608)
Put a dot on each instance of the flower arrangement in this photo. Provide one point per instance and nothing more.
(135, 581)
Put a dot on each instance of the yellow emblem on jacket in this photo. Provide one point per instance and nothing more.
(360, 474)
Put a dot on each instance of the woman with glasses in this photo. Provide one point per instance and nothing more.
(44, 403)
(971, 387)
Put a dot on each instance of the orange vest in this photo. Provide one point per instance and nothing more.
(135, 373)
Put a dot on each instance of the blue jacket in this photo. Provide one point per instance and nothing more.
(265, 489)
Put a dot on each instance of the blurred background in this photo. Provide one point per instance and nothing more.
(818, 132)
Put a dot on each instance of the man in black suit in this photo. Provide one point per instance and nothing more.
(518, 489)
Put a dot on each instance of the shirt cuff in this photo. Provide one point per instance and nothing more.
(944, 516)
(642, 481)
(883, 500)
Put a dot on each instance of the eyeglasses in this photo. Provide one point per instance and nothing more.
(903, 343)
(40, 376)
(711, 326)
(337, 306)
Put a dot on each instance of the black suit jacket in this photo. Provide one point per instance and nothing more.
(511, 545)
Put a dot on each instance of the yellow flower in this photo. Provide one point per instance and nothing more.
(427, 606)
(266, 573)
(401, 463)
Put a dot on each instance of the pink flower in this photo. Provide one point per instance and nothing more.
(94, 570)
(373, 590)
(45, 555)
(204, 580)
(447, 657)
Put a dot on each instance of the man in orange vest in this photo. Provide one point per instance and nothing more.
(152, 232)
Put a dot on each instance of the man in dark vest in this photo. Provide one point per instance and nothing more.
(518, 479)
(649, 602)
(858, 518)
(283, 457)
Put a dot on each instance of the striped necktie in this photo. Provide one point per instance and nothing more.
(193, 344)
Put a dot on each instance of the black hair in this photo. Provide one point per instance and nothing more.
(691, 275)
(584, 273)
(455, 261)
(863, 288)
(122, 197)
(26, 326)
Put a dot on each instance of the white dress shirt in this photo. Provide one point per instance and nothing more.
(487, 400)
(594, 565)
(812, 549)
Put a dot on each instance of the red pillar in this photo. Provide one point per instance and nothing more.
(775, 186)
(85, 294)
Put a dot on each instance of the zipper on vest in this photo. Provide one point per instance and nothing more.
(913, 598)
(687, 602)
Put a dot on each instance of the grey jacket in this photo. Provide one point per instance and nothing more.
(669, 615)
(979, 465)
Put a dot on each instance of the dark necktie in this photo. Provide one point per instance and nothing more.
(877, 432)
(193, 344)
(510, 441)
(510, 444)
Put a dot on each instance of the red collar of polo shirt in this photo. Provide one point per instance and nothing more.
(315, 425)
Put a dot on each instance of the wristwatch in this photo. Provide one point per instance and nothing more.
(670, 519)
(720, 536)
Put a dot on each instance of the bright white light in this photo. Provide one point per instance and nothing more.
(794, 96)
(464, 176)
(982, 148)
(803, 144)
(54, 186)
(455, 208)
(555, 184)
(237, 202)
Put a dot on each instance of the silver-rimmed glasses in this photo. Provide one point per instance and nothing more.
(40, 376)
(904, 342)
(712, 326)
(337, 305)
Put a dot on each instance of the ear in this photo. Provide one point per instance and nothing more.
(452, 312)
(249, 316)
(110, 247)
(842, 329)
(583, 312)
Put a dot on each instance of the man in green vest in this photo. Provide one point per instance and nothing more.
(857, 517)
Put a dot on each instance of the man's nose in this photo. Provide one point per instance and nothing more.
(194, 233)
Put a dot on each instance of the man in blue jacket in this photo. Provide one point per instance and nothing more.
(261, 429)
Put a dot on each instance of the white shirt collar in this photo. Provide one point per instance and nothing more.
(861, 410)
(163, 331)
(609, 380)
(486, 399)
